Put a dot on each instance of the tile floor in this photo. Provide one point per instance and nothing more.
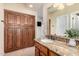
(22, 52)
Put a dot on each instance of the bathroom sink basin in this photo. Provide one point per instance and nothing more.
(47, 41)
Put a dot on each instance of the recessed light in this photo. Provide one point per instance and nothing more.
(30, 5)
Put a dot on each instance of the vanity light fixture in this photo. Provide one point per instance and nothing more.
(61, 6)
(58, 6)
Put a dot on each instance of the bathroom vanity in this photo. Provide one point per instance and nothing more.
(41, 50)
(56, 48)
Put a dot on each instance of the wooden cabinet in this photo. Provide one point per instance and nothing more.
(19, 30)
(41, 50)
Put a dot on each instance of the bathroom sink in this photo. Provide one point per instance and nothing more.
(47, 40)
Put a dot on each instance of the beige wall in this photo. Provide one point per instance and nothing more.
(14, 7)
(66, 10)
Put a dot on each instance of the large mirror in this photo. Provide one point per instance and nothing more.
(61, 20)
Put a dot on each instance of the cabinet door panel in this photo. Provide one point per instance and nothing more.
(10, 19)
(18, 20)
(30, 36)
(18, 38)
(9, 40)
(25, 37)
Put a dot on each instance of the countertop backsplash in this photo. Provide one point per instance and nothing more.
(63, 39)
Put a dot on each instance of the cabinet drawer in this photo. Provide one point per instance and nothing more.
(51, 53)
(41, 48)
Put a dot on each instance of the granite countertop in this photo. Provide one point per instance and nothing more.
(60, 48)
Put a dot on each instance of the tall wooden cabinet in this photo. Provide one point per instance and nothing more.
(19, 30)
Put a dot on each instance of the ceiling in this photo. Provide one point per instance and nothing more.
(36, 6)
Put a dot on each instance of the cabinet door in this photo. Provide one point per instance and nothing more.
(18, 38)
(9, 31)
(42, 54)
(37, 51)
(41, 48)
(25, 38)
(51, 53)
(31, 22)
(9, 42)
(30, 36)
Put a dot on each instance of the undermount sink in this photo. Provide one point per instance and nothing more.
(47, 40)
